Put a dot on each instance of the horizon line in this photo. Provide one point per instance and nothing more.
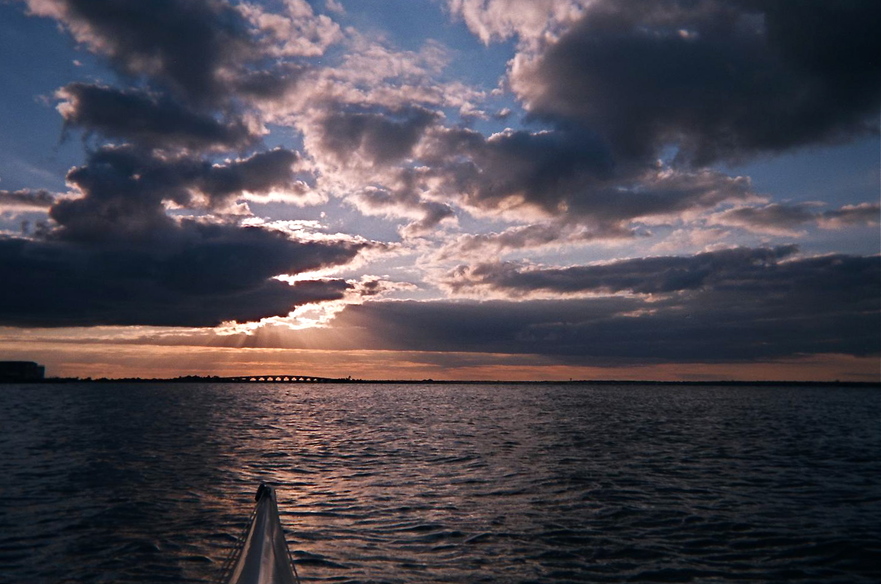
(304, 379)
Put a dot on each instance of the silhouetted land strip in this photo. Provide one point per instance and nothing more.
(296, 379)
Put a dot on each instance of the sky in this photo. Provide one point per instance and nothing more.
(443, 189)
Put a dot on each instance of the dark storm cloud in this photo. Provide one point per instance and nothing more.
(114, 256)
(380, 137)
(541, 168)
(568, 172)
(260, 174)
(26, 198)
(198, 276)
(186, 274)
(124, 189)
(722, 80)
(189, 47)
(147, 119)
(749, 310)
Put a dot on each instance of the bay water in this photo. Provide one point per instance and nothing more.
(154, 482)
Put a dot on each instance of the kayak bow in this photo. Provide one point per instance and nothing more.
(264, 557)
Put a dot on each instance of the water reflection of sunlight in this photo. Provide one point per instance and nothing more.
(434, 483)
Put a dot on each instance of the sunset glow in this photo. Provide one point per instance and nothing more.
(456, 189)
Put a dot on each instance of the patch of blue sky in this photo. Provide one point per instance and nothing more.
(37, 61)
(842, 174)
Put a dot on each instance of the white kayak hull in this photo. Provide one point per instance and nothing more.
(264, 557)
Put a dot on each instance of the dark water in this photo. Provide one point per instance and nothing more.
(153, 483)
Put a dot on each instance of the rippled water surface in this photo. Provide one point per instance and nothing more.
(444, 483)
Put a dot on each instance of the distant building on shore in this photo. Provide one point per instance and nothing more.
(16, 371)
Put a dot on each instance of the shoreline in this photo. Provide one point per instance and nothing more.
(291, 380)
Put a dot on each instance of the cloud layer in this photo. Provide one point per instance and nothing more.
(736, 305)
(613, 129)
(209, 275)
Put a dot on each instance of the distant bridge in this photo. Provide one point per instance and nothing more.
(283, 378)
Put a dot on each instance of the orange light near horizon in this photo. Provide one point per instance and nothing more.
(72, 356)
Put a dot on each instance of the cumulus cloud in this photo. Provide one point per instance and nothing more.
(373, 76)
(125, 190)
(362, 119)
(265, 89)
(540, 169)
(623, 83)
(719, 80)
(209, 103)
(259, 173)
(373, 137)
(155, 121)
(412, 164)
(237, 57)
(532, 21)
(403, 198)
(153, 270)
(147, 40)
(297, 32)
(114, 255)
(568, 174)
